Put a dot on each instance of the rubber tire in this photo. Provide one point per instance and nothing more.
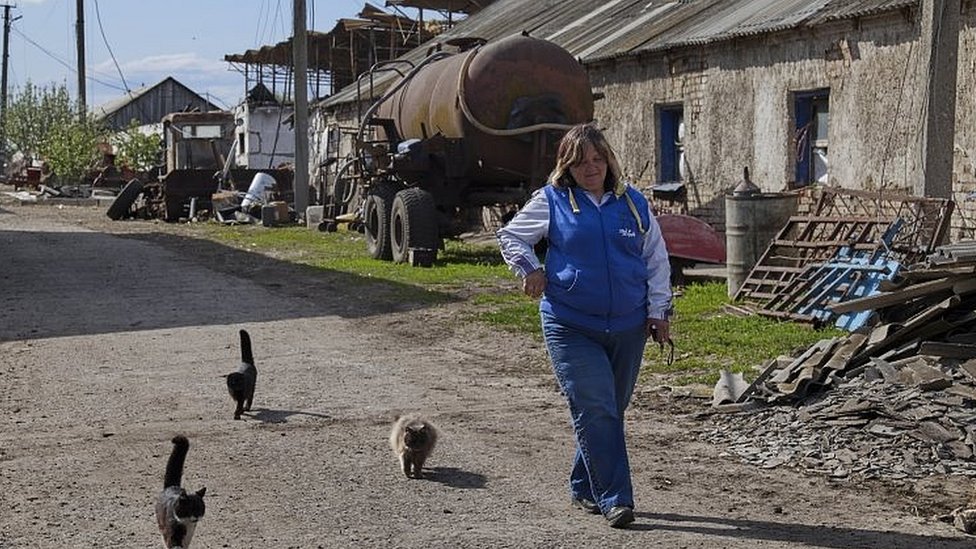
(123, 202)
(413, 223)
(376, 220)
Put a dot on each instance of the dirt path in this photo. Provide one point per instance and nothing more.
(112, 343)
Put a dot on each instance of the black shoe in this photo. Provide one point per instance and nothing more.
(587, 505)
(620, 516)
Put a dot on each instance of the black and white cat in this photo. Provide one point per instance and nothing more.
(177, 511)
(240, 384)
(412, 439)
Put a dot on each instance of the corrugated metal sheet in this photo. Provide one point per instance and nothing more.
(846, 9)
(594, 30)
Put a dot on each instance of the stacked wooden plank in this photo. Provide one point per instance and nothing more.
(929, 310)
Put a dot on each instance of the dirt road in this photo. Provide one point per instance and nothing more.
(112, 343)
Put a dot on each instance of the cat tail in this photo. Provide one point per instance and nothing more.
(246, 355)
(174, 467)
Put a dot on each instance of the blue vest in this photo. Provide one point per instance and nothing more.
(595, 276)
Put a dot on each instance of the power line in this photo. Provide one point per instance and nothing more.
(264, 17)
(67, 65)
(279, 18)
(98, 16)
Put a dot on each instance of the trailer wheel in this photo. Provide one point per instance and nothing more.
(414, 223)
(376, 216)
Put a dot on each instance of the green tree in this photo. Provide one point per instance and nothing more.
(43, 123)
(137, 150)
(72, 149)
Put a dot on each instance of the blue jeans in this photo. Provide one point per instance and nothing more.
(597, 372)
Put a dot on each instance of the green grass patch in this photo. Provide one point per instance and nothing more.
(707, 339)
(512, 312)
(459, 266)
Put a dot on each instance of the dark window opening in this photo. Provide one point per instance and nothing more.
(812, 117)
(671, 149)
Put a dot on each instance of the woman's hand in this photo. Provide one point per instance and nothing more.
(658, 330)
(534, 284)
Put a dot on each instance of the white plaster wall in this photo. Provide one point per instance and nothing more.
(259, 128)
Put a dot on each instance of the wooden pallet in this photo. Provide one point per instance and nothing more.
(845, 218)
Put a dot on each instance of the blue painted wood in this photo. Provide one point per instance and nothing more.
(849, 275)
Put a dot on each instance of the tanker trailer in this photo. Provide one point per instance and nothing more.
(461, 131)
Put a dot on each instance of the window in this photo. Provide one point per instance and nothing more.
(203, 131)
(812, 119)
(670, 147)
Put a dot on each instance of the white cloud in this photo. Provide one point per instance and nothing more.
(168, 63)
(209, 78)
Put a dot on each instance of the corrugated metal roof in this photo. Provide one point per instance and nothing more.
(846, 9)
(464, 6)
(594, 30)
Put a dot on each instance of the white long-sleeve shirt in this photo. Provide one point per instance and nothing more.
(531, 224)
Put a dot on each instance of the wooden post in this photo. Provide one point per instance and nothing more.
(300, 59)
(939, 37)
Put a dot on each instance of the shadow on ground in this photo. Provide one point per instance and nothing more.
(280, 416)
(809, 535)
(73, 283)
(456, 478)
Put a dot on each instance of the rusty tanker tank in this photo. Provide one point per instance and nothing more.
(465, 130)
(483, 97)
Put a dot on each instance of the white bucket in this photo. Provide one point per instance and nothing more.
(257, 193)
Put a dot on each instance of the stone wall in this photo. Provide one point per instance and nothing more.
(737, 98)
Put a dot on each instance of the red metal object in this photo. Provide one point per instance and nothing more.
(691, 238)
(33, 177)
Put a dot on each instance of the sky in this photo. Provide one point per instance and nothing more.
(152, 39)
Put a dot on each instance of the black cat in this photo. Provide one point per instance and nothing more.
(240, 384)
(177, 511)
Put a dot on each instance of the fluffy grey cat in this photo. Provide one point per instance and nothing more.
(412, 440)
(177, 511)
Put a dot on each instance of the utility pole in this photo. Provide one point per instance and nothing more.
(3, 85)
(939, 38)
(299, 46)
(80, 33)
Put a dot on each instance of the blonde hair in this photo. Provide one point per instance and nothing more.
(570, 152)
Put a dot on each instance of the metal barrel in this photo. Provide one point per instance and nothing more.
(751, 223)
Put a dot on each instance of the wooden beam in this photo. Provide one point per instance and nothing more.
(886, 299)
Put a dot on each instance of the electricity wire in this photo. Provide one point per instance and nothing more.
(67, 65)
(101, 29)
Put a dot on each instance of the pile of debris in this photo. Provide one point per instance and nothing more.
(902, 402)
(894, 399)
(888, 423)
